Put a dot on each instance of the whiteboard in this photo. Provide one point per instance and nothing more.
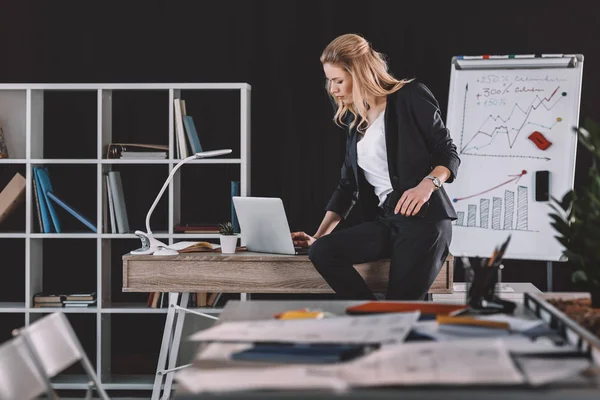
(508, 119)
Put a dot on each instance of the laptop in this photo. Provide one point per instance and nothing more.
(264, 225)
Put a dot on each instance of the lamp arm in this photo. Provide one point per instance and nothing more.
(164, 187)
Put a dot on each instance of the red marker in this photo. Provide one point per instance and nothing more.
(540, 140)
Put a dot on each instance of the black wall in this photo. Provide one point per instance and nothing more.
(275, 46)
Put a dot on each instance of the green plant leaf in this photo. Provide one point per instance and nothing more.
(579, 277)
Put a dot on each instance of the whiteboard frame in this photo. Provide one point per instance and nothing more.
(521, 62)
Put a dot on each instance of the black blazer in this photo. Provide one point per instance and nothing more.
(417, 141)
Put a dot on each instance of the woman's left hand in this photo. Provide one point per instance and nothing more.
(413, 199)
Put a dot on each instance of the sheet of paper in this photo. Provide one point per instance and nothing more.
(542, 371)
(464, 362)
(380, 328)
(516, 324)
(196, 380)
(455, 332)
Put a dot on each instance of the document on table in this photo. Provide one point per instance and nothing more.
(380, 328)
(544, 370)
(472, 362)
(197, 380)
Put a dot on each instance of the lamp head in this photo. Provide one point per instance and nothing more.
(212, 153)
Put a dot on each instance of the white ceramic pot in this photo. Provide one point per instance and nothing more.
(228, 243)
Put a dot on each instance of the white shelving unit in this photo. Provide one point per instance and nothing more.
(22, 117)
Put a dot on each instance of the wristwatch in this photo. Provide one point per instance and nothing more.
(436, 181)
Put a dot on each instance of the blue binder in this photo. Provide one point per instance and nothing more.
(72, 211)
(44, 185)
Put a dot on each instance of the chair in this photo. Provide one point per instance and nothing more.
(54, 344)
(21, 376)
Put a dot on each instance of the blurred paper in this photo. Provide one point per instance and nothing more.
(516, 324)
(544, 370)
(473, 362)
(380, 328)
(195, 380)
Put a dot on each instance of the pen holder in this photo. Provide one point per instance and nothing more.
(482, 296)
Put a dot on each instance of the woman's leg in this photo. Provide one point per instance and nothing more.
(419, 251)
(335, 254)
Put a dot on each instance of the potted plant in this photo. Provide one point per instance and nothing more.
(227, 237)
(577, 219)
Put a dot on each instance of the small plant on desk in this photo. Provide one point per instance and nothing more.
(227, 237)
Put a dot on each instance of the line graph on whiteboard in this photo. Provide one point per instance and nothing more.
(503, 207)
(510, 119)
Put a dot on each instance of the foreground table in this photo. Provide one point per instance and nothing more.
(264, 309)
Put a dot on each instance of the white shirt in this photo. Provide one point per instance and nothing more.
(372, 158)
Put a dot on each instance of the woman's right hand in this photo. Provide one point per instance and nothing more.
(302, 239)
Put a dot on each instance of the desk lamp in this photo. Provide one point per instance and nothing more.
(150, 245)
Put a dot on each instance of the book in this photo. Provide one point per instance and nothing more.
(235, 191)
(116, 187)
(111, 207)
(72, 211)
(54, 305)
(3, 148)
(75, 302)
(37, 205)
(143, 155)
(192, 134)
(199, 247)
(46, 186)
(44, 297)
(46, 222)
(197, 228)
(12, 195)
(181, 143)
(105, 214)
(114, 150)
(80, 296)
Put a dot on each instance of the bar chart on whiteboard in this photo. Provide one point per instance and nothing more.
(507, 124)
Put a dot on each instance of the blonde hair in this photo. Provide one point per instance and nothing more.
(369, 71)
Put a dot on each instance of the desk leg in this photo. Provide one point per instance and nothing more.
(174, 350)
(164, 347)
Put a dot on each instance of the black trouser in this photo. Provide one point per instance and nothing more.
(417, 248)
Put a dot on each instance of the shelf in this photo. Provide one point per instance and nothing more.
(63, 161)
(128, 382)
(124, 86)
(40, 118)
(9, 235)
(137, 308)
(69, 310)
(136, 161)
(132, 308)
(162, 235)
(12, 307)
(70, 382)
(73, 235)
(195, 235)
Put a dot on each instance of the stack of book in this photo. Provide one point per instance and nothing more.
(80, 299)
(44, 299)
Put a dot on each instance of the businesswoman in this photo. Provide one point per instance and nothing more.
(398, 155)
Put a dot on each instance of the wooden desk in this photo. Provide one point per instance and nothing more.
(247, 272)
(243, 272)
